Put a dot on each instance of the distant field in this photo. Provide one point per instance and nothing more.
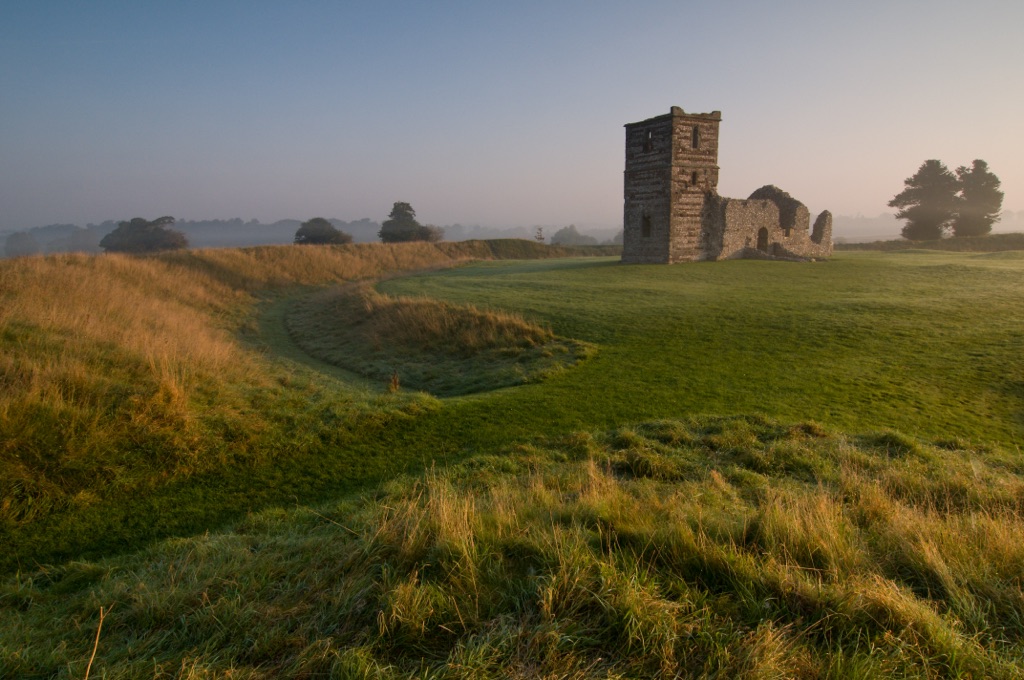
(797, 398)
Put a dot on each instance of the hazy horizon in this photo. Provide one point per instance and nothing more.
(485, 115)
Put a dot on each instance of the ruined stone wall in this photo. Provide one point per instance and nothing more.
(735, 228)
(712, 227)
(820, 245)
(743, 222)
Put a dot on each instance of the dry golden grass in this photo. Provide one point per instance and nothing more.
(123, 376)
(101, 357)
(172, 312)
(172, 315)
(111, 364)
(276, 266)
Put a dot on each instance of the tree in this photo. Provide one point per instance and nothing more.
(431, 233)
(320, 231)
(980, 200)
(21, 243)
(143, 236)
(401, 226)
(928, 203)
(568, 236)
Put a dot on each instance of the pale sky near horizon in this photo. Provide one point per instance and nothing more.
(496, 114)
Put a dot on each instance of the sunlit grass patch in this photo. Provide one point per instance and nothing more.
(566, 563)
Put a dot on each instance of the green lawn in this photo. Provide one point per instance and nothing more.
(925, 343)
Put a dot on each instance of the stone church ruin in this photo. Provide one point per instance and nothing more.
(672, 211)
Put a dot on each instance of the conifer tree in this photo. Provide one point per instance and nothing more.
(401, 225)
(980, 200)
(928, 203)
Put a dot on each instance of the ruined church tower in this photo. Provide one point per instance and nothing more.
(672, 211)
(671, 170)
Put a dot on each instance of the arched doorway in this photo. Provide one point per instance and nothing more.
(762, 239)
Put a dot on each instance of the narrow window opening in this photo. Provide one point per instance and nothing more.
(696, 137)
(762, 240)
(649, 141)
(645, 226)
(693, 178)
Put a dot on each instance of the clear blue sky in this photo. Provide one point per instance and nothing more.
(483, 112)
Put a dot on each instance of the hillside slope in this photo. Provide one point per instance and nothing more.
(138, 399)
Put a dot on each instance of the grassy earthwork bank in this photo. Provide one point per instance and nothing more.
(736, 469)
(140, 397)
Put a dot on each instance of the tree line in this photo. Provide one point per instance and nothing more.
(400, 227)
(936, 201)
(139, 235)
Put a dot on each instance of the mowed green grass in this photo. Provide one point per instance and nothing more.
(925, 343)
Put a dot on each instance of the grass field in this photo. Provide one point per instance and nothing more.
(761, 469)
(141, 397)
(925, 343)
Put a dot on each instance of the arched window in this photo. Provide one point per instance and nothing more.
(696, 137)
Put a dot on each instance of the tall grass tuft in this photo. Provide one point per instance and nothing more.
(568, 564)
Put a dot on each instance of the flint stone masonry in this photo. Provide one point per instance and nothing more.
(672, 211)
